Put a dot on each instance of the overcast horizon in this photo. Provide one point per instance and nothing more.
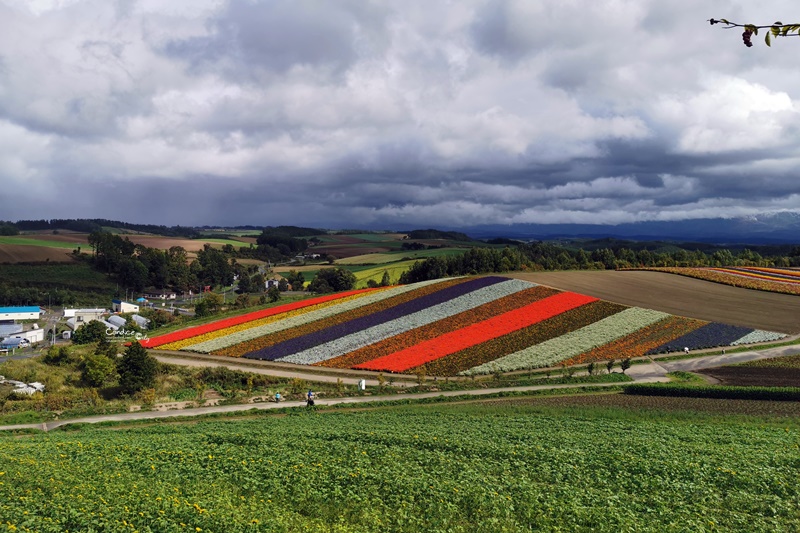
(378, 115)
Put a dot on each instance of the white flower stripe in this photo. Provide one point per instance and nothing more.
(759, 335)
(354, 341)
(299, 320)
(572, 344)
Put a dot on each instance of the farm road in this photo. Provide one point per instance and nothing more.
(642, 373)
(240, 408)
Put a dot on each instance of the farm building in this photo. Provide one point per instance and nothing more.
(160, 294)
(79, 317)
(32, 335)
(9, 314)
(118, 306)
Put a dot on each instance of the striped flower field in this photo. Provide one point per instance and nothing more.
(455, 326)
(782, 280)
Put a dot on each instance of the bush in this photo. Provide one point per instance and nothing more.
(98, 369)
(93, 331)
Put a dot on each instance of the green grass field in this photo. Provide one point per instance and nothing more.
(503, 466)
(389, 257)
(29, 241)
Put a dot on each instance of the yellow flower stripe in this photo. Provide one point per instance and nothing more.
(752, 274)
(179, 345)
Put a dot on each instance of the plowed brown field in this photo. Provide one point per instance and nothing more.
(681, 296)
(16, 253)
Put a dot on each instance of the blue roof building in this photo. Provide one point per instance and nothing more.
(20, 313)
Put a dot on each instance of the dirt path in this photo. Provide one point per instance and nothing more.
(642, 373)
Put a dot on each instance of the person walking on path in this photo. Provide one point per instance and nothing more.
(310, 398)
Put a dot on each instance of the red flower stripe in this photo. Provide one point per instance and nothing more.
(266, 341)
(241, 319)
(639, 342)
(431, 331)
(477, 333)
(551, 328)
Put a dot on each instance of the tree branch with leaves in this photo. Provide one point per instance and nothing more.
(776, 29)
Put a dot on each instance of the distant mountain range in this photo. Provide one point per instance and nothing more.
(769, 228)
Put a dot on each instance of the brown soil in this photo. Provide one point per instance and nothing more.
(755, 377)
(17, 253)
(681, 296)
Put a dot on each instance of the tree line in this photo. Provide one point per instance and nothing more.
(546, 256)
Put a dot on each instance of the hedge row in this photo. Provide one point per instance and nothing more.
(725, 392)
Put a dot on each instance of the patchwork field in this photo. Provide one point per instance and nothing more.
(681, 296)
(508, 466)
(466, 326)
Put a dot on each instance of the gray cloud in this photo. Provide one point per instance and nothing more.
(372, 114)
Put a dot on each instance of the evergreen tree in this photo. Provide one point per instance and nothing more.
(137, 369)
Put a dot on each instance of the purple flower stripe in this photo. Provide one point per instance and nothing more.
(346, 328)
(708, 336)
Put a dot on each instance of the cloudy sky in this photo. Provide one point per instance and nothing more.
(352, 113)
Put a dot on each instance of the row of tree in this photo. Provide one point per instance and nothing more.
(546, 256)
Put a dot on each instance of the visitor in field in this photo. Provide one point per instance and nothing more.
(310, 398)
(277, 397)
(686, 349)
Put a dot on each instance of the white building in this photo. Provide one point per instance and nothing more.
(79, 317)
(118, 306)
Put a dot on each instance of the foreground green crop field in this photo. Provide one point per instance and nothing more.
(475, 467)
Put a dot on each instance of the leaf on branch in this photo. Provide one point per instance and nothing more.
(767, 39)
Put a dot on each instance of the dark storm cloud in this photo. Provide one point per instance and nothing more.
(370, 113)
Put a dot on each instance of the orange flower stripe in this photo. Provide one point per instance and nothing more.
(431, 331)
(274, 338)
(639, 342)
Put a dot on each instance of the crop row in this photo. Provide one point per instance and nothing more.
(241, 319)
(574, 343)
(220, 336)
(752, 273)
(400, 319)
(431, 331)
(640, 341)
(451, 468)
(479, 333)
(726, 278)
(710, 335)
(548, 329)
(236, 344)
